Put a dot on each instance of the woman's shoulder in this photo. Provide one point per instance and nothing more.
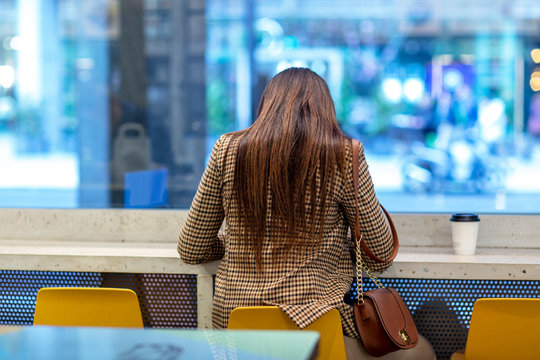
(349, 144)
(222, 143)
(349, 162)
(225, 149)
(228, 138)
(224, 139)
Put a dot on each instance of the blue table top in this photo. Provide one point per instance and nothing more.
(78, 343)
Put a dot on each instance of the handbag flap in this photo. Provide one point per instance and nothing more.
(394, 316)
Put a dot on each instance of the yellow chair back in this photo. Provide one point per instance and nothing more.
(331, 344)
(80, 306)
(506, 328)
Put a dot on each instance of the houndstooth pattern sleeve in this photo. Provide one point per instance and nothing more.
(373, 224)
(199, 241)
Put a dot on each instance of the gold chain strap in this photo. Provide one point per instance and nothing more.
(359, 266)
(372, 277)
(359, 286)
(359, 263)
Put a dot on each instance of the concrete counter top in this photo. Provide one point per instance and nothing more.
(144, 241)
(489, 264)
(96, 257)
(139, 257)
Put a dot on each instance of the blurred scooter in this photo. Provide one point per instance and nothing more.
(461, 166)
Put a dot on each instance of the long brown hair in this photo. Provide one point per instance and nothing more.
(292, 152)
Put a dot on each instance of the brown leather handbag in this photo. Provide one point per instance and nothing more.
(382, 318)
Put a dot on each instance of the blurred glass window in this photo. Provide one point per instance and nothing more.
(117, 103)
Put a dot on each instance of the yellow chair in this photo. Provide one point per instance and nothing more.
(503, 329)
(331, 344)
(80, 306)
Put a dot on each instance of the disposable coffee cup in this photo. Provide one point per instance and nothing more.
(464, 233)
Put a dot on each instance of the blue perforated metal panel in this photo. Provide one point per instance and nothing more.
(167, 300)
(441, 308)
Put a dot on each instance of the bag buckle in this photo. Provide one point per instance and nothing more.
(405, 336)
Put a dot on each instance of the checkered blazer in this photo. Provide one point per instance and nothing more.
(305, 283)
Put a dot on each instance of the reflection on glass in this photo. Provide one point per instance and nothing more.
(440, 97)
(98, 98)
